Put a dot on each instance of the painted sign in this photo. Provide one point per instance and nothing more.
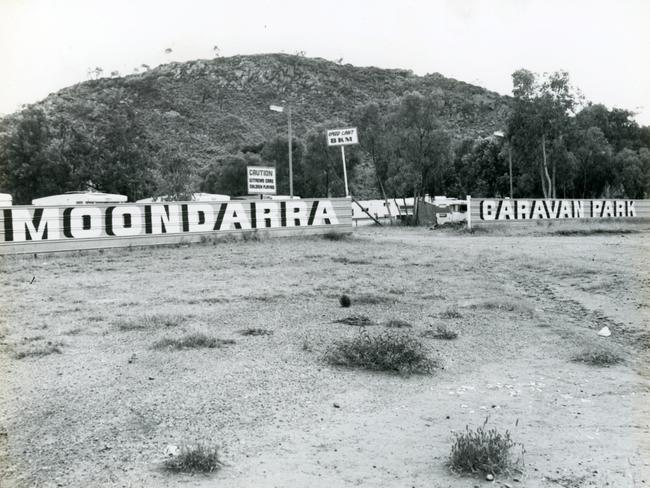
(146, 223)
(342, 137)
(503, 210)
(261, 180)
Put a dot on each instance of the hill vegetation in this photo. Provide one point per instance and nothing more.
(195, 126)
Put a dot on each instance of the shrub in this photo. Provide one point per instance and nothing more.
(451, 313)
(197, 459)
(345, 301)
(344, 260)
(368, 299)
(441, 332)
(192, 341)
(336, 236)
(40, 351)
(150, 322)
(386, 351)
(398, 324)
(252, 331)
(481, 451)
(358, 320)
(598, 356)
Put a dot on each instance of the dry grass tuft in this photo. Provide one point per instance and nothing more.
(441, 332)
(150, 322)
(40, 350)
(598, 356)
(398, 324)
(192, 341)
(253, 331)
(357, 320)
(451, 313)
(387, 351)
(197, 459)
(482, 451)
(337, 236)
(345, 260)
(369, 299)
(505, 305)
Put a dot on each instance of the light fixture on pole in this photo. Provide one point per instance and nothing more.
(501, 135)
(278, 108)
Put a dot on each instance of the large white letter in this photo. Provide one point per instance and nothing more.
(267, 214)
(43, 224)
(200, 217)
(82, 228)
(297, 214)
(487, 209)
(125, 221)
(325, 214)
(235, 217)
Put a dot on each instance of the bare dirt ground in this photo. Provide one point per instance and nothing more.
(103, 410)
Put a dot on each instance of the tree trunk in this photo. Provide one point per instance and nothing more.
(390, 213)
(551, 188)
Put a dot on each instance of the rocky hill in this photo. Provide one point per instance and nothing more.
(215, 106)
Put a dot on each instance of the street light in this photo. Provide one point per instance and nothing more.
(278, 108)
(501, 135)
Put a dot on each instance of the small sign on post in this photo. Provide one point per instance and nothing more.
(261, 180)
(343, 137)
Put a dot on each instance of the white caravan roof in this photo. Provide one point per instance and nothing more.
(80, 198)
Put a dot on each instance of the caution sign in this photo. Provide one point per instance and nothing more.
(261, 180)
(342, 137)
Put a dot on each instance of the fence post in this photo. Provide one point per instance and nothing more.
(469, 212)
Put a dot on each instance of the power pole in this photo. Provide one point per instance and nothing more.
(291, 156)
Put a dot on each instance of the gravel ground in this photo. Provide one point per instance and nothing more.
(103, 409)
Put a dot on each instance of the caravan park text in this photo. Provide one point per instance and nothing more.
(554, 209)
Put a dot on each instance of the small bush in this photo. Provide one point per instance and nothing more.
(358, 320)
(345, 301)
(197, 459)
(451, 313)
(441, 332)
(592, 232)
(382, 352)
(505, 305)
(150, 322)
(482, 451)
(598, 356)
(192, 341)
(336, 236)
(252, 331)
(368, 299)
(345, 260)
(40, 351)
(398, 324)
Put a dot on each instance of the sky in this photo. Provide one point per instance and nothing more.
(46, 45)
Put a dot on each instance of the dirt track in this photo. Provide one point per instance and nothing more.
(102, 412)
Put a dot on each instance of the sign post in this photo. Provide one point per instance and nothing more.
(277, 108)
(343, 137)
(261, 180)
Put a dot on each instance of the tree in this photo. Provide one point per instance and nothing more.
(322, 166)
(29, 171)
(593, 154)
(423, 148)
(540, 123)
(371, 123)
(174, 173)
(227, 174)
(632, 172)
(276, 152)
